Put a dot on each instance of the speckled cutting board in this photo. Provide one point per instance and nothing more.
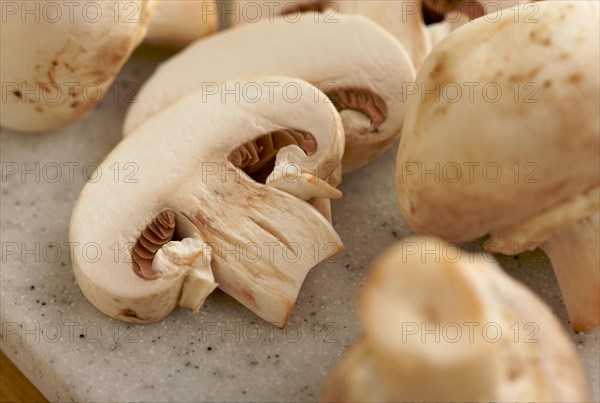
(72, 352)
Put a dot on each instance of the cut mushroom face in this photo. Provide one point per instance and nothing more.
(527, 192)
(436, 326)
(195, 211)
(69, 63)
(180, 22)
(347, 65)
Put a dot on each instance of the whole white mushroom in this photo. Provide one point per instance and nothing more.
(516, 156)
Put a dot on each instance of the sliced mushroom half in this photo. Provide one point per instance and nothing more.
(198, 205)
(359, 65)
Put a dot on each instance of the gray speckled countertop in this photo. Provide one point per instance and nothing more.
(72, 352)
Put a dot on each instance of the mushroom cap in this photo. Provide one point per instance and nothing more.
(180, 22)
(72, 55)
(432, 285)
(351, 52)
(485, 162)
(261, 237)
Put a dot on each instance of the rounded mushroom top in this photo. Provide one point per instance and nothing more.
(360, 66)
(504, 122)
(189, 172)
(72, 54)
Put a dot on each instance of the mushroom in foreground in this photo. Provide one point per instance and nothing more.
(359, 65)
(517, 157)
(73, 53)
(180, 22)
(440, 324)
(198, 206)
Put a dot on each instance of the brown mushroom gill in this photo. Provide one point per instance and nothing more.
(159, 232)
(257, 157)
(361, 100)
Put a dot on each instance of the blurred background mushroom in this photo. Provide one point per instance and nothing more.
(418, 24)
(54, 70)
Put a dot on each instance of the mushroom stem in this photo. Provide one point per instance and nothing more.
(575, 257)
(426, 322)
(426, 380)
(197, 286)
(191, 257)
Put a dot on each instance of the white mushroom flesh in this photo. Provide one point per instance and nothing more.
(263, 240)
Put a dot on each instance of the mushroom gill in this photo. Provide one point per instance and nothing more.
(257, 157)
(159, 232)
(361, 100)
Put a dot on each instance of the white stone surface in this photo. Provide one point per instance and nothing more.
(73, 352)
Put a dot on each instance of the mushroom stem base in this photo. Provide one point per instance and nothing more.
(575, 256)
